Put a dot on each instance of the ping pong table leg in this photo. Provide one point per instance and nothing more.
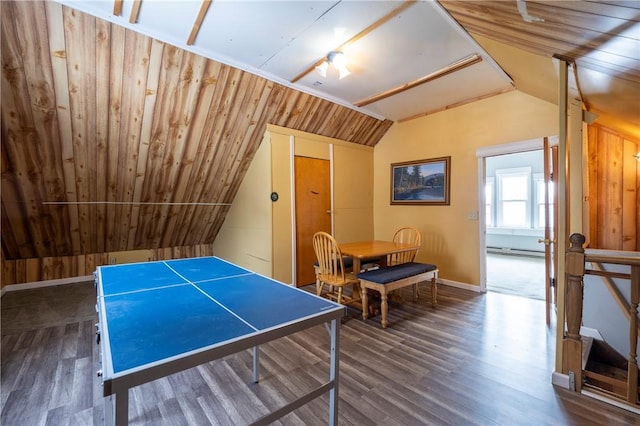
(334, 372)
(256, 364)
(109, 419)
(122, 408)
(116, 409)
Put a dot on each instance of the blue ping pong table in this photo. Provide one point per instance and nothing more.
(159, 318)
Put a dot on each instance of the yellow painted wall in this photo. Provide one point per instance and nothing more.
(450, 239)
(281, 210)
(353, 193)
(352, 170)
(245, 237)
(258, 233)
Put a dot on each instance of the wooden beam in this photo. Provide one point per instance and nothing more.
(457, 66)
(358, 36)
(204, 7)
(456, 104)
(135, 11)
(117, 7)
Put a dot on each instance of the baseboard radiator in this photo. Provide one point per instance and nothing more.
(514, 252)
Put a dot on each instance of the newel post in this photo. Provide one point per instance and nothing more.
(632, 366)
(571, 343)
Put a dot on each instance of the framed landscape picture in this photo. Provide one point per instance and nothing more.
(421, 182)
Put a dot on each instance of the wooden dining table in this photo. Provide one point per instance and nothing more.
(363, 250)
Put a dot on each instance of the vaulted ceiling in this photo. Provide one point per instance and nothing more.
(601, 39)
(390, 46)
(116, 140)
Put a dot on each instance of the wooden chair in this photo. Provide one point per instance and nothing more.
(331, 270)
(407, 235)
(347, 262)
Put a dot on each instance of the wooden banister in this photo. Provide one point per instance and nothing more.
(632, 376)
(579, 262)
(607, 279)
(572, 343)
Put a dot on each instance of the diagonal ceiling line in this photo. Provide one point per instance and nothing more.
(204, 7)
(358, 36)
(301, 32)
(457, 66)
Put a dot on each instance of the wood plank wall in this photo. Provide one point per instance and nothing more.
(51, 268)
(614, 190)
(113, 141)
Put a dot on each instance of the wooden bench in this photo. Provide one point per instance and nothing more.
(385, 280)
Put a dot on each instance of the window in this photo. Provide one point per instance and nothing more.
(538, 181)
(514, 199)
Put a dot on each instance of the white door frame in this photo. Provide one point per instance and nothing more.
(482, 154)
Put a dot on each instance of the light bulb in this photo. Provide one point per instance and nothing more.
(322, 68)
(339, 60)
(343, 72)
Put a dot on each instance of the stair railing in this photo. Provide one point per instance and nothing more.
(576, 261)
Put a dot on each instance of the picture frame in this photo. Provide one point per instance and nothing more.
(421, 182)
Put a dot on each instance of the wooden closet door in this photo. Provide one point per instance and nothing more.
(312, 210)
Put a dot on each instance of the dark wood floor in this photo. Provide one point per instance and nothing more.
(474, 360)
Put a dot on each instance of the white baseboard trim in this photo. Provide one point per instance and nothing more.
(514, 252)
(47, 283)
(612, 401)
(457, 284)
(560, 380)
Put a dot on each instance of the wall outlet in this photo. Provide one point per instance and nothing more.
(473, 215)
(112, 261)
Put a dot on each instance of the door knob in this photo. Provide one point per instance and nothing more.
(546, 241)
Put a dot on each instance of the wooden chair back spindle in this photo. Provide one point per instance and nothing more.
(406, 235)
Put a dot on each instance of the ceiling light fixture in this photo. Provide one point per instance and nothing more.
(391, 15)
(336, 59)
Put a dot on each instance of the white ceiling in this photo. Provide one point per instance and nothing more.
(280, 39)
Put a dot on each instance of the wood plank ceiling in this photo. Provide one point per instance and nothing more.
(602, 39)
(601, 35)
(114, 141)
